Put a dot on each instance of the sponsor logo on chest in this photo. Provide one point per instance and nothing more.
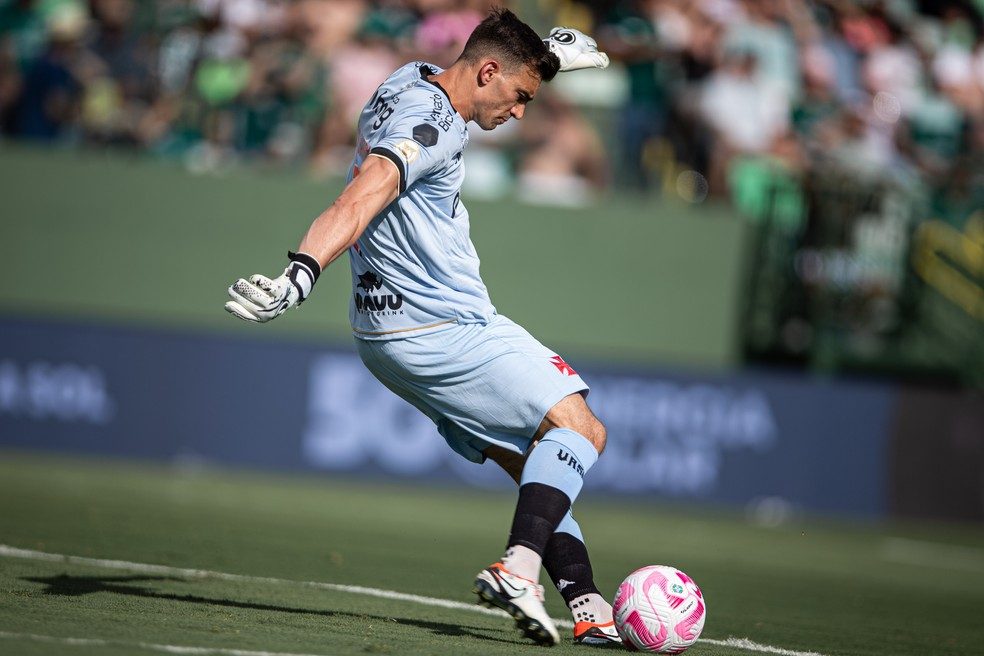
(372, 303)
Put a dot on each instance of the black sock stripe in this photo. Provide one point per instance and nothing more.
(539, 510)
(566, 558)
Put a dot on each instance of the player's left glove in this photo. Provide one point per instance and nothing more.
(575, 49)
(261, 299)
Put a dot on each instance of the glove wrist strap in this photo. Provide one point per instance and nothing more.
(303, 272)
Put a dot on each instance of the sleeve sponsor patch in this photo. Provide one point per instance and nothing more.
(408, 150)
(425, 134)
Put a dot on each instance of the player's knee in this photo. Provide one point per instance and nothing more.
(594, 431)
(597, 434)
(574, 413)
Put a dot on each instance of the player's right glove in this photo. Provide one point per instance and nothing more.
(575, 49)
(261, 299)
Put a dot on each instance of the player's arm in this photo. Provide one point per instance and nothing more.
(338, 227)
(261, 299)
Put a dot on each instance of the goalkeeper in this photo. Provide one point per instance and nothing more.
(423, 321)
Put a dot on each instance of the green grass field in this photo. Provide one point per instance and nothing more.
(824, 587)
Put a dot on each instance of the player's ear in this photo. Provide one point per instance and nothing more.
(488, 71)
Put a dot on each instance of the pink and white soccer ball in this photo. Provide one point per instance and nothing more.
(659, 609)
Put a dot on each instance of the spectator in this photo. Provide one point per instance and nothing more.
(747, 112)
(11, 85)
(22, 30)
(48, 106)
(762, 32)
(118, 85)
(564, 160)
(629, 35)
(443, 32)
(355, 70)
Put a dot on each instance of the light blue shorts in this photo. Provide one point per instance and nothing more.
(482, 384)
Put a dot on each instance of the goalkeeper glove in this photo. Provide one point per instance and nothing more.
(575, 49)
(260, 299)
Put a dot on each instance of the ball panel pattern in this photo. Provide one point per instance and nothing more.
(659, 609)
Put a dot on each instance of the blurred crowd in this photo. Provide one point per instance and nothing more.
(212, 81)
(732, 98)
(748, 93)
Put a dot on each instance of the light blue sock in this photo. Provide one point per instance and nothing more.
(560, 460)
(570, 526)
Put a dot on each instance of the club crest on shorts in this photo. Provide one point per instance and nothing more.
(562, 366)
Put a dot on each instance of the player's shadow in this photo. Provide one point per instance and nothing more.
(73, 586)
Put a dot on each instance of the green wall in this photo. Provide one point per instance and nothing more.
(110, 237)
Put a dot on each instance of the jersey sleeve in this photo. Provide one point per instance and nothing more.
(416, 140)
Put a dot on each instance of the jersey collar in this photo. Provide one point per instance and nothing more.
(427, 69)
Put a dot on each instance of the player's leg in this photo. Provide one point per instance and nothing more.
(566, 556)
(494, 384)
(567, 443)
(569, 567)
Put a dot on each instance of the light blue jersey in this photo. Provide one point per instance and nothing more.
(414, 269)
(424, 324)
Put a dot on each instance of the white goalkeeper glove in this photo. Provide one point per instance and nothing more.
(260, 299)
(575, 49)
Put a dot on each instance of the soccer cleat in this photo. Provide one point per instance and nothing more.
(521, 598)
(589, 633)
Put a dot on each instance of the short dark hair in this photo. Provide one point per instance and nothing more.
(503, 35)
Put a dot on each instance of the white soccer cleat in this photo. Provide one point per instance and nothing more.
(521, 598)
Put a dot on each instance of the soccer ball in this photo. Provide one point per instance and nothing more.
(659, 609)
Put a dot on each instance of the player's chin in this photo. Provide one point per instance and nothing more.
(491, 124)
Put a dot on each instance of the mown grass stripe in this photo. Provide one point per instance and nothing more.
(169, 649)
(165, 570)
(933, 554)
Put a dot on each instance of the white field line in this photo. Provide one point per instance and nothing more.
(170, 649)
(7, 551)
(745, 643)
(933, 554)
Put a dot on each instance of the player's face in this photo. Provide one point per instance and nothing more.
(505, 97)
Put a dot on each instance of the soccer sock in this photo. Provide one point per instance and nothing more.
(538, 511)
(591, 607)
(567, 563)
(560, 460)
(551, 480)
(522, 561)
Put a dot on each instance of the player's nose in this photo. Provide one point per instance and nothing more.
(517, 111)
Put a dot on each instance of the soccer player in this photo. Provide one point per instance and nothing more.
(423, 321)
